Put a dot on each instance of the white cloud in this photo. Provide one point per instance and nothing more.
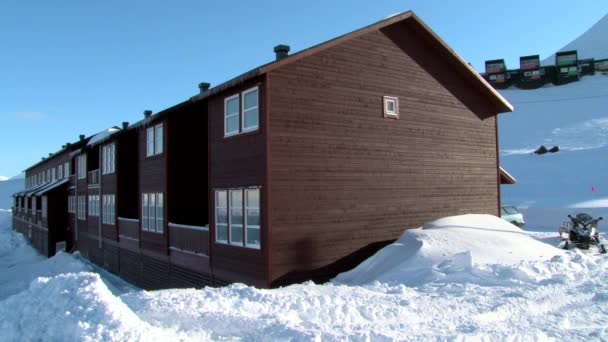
(3, 178)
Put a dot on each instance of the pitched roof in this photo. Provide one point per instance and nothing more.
(466, 70)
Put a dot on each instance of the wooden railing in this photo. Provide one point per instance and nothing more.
(128, 228)
(93, 177)
(193, 239)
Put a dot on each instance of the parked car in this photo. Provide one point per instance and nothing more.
(510, 214)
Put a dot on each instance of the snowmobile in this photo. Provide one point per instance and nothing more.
(581, 231)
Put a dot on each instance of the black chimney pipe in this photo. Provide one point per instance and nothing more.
(281, 51)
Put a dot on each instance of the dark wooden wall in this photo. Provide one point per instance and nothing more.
(153, 178)
(237, 161)
(127, 172)
(343, 176)
(187, 166)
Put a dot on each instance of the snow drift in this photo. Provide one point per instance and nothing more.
(468, 248)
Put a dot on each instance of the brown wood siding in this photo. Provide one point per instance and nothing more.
(153, 178)
(235, 162)
(343, 176)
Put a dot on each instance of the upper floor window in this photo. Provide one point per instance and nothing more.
(231, 115)
(60, 172)
(154, 140)
(53, 174)
(81, 165)
(391, 107)
(66, 168)
(245, 118)
(109, 158)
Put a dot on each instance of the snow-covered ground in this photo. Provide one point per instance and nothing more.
(467, 277)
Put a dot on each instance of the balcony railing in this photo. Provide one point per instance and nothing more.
(93, 177)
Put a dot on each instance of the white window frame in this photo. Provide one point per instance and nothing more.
(244, 110)
(109, 158)
(223, 206)
(159, 137)
(94, 205)
(53, 174)
(81, 165)
(60, 171)
(249, 207)
(394, 113)
(154, 140)
(82, 207)
(45, 206)
(152, 217)
(144, 212)
(229, 207)
(231, 115)
(109, 209)
(66, 169)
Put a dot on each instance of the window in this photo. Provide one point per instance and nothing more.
(109, 209)
(249, 113)
(250, 110)
(48, 175)
(81, 164)
(82, 208)
(60, 172)
(53, 174)
(144, 212)
(44, 206)
(221, 216)
(154, 140)
(94, 205)
(391, 107)
(152, 205)
(72, 204)
(237, 217)
(252, 217)
(231, 117)
(109, 156)
(66, 168)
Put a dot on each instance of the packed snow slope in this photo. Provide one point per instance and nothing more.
(467, 277)
(573, 117)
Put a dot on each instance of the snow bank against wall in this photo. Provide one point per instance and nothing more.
(467, 248)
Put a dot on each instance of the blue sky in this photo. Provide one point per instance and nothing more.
(77, 67)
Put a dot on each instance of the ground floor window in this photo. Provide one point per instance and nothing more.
(109, 209)
(94, 205)
(44, 206)
(72, 204)
(152, 205)
(82, 206)
(237, 217)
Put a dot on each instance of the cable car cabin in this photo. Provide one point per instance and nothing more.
(496, 74)
(567, 67)
(586, 66)
(532, 75)
(601, 65)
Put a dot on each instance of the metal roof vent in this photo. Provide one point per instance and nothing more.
(204, 86)
(281, 51)
(147, 113)
(125, 124)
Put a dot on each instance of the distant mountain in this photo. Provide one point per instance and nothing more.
(591, 44)
(7, 189)
(3, 178)
(19, 176)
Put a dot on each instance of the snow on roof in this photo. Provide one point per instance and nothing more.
(452, 247)
(103, 135)
(591, 44)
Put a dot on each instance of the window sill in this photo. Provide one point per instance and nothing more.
(242, 134)
(249, 247)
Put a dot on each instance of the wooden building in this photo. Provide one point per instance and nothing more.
(313, 162)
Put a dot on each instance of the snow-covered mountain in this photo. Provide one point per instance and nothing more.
(7, 189)
(591, 44)
(19, 176)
